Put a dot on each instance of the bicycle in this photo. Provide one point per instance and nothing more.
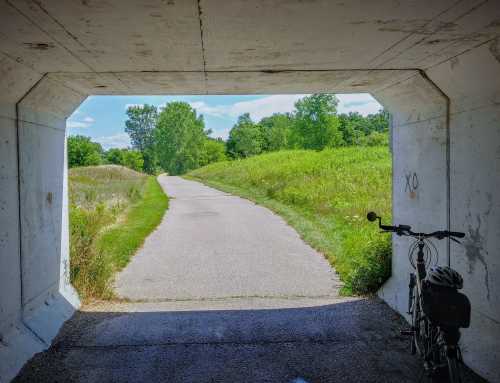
(437, 309)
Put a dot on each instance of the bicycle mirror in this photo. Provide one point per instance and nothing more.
(371, 216)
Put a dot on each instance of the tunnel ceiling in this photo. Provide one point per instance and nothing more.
(238, 46)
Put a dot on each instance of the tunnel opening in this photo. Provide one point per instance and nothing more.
(347, 165)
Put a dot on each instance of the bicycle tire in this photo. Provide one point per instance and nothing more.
(454, 369)
(419, 336)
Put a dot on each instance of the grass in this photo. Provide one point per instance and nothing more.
(112, 211)
(325, 196)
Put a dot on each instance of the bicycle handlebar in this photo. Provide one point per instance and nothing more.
(405, 230)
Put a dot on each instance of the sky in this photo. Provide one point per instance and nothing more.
(103, 117)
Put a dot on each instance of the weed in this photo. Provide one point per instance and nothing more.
(112, 210)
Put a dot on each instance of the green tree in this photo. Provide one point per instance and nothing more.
(114, 156)
(132, 159)
(375, 139)
(140, 127)
(277, 131)
(179, 138)
(379, 122)
(316, 123)
(83, 152)
(245, 138)
(214, 150)
(355, 128)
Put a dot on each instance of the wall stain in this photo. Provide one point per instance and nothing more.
(474, 244)
(495, 49)
(39, 46)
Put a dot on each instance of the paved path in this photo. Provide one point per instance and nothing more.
(214, 245)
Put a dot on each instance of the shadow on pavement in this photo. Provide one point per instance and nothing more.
(354, 341)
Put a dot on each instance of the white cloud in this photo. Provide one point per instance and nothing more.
(222, 133)
(73, 122)
(216, 111)
(258, 109)
(363, 103)
(133, 106)
(266, 106)
(76, 124)
(120, 140)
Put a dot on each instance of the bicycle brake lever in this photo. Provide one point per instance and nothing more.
(455, 240)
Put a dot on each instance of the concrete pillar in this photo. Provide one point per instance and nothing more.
(35, 295)
(420, 173)
(47, 298)
(446, 173)
(472, 81)
(17, 343)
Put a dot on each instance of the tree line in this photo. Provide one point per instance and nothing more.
(174, 139)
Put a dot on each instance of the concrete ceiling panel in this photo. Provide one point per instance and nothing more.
(267, 82)
(24, 41)
(413, 100)
(260, 46)
(91, 83)
(457, 30)
(163, 82)
(471, 90)
(126, 35)
(294, 34)
(15, 80)
(49, 103)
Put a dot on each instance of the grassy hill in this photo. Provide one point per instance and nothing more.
(325, 196)
(112, 210)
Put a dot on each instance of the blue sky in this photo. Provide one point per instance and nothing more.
(103, 117)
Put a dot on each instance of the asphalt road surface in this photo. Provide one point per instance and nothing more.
(224, 291)
(212, 244)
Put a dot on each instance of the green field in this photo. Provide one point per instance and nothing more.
(112, 210)
(325, 196)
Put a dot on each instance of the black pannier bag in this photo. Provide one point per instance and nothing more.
(445, 306)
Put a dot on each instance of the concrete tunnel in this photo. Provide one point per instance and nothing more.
(435, 65)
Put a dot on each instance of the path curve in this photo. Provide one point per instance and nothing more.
(211, 244)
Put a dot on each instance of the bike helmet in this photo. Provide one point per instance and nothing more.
(445, 276)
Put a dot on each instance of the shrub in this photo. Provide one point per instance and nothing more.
(367, 276)
(83, 152)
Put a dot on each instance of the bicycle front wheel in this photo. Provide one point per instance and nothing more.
(418, 327)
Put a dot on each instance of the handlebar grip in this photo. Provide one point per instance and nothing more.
(388, 228)
(456, 234)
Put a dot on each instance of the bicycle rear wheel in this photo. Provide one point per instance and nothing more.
(455, 372)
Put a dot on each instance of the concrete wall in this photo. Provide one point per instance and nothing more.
(35, 295)
(472, 204)
(419, 140)
(44, 249)
(472, 81)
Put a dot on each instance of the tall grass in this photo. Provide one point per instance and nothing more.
(112, 210)
(325, 196)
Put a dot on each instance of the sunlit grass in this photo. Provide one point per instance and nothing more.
(325, 196)
(112, 210)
